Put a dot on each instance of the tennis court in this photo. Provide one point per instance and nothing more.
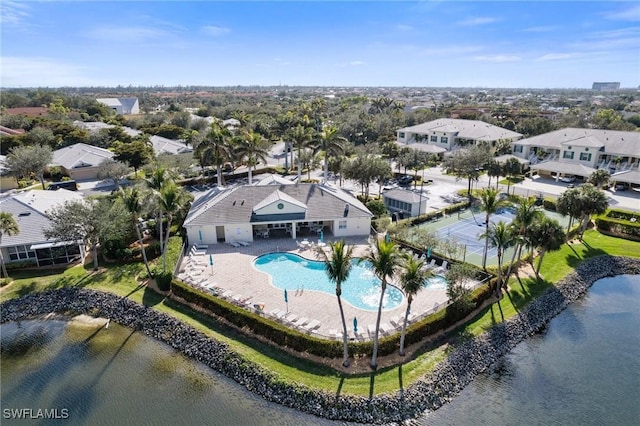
(465, 228)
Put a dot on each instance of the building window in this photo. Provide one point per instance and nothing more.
(20, 253)
(401, 135)
(444, 139)
(568, 154)
(585, 156)
(517, 148)
(342, 224)
(434, 138)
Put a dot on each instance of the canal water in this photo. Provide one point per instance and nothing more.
(583, 369)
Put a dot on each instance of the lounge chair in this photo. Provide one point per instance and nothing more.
(312, 325)
(395, 321)
(233, 244)
(371, 329)
(386, 328)
(302, 321)
(244, 243)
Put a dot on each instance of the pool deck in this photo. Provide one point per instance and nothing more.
(236, 277)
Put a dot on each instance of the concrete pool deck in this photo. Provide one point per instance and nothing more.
(234, 274)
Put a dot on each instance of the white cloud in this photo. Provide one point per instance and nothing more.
(43, 72)
(497, 58)
(127, 34)
(13, 13)
(559, 56)
(631, 14)
(403, 27)
(478, 20)
(540, 29)
(214, 31)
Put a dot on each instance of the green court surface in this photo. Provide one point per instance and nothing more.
(465, 228)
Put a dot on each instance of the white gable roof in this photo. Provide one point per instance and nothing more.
(80, 155)
(276, 198)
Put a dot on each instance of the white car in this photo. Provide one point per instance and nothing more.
(568, 179)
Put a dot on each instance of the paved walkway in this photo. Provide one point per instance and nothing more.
(233, 272)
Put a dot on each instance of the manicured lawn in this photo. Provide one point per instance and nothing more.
(121, 280)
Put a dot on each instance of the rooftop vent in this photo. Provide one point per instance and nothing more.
(346, 210)
(24, 214)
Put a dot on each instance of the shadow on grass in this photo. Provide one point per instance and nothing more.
(149, 297)
(516, 300)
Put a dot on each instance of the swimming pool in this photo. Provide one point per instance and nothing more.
(362, 289)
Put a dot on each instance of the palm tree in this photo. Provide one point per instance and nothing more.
(332, 144)
(491, 203)
(548, 235)
(172, 200)
(155, 182)
(131, 199)
(412, 280)
(526, 215)
(302, 137)
(384, 258)
(253, 148)
(593, 201)
(338, 266)
(215, 148)
(9, 226)
(500, 236)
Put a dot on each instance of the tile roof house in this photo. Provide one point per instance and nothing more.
(279, 211)
(80, 161)
(444, 134)
(580, 152)
(30, 209)
(122, 106)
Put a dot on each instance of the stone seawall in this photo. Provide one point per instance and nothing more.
(428, 393)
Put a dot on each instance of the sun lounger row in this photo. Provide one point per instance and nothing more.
(198, 250)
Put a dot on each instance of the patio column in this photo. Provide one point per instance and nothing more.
(293, 230)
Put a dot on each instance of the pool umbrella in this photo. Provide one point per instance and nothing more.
(355, 324)
(429, 252)
(322, 236)
(211, 263)
(286, 299)
(200, 234)
(387, 237)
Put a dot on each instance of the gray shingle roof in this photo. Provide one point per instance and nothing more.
(80, 155)
(404, 195)
(323, 203)
(29, 210)
(464, 129)
(614, 141)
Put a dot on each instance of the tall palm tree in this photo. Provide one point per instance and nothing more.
(172, 200)
(132, 201)
(338, 266)
(526, 214)
(8, 226)
(501, 238)
(490, 204)
(384, 258)
(332, 144)
(159, 176)
(412, 280)
(252, 147)
(548, 235)
(302, 137)
(215, 148)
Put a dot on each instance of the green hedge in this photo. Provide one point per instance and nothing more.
(619, 223)
(284, 336)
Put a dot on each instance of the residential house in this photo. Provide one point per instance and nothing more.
(246, 212)
(80, 161)
(444, 134)
(404, 202)
(579, 152)
(30, 210)
(122, 106)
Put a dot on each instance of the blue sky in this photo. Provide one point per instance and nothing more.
(537, 44)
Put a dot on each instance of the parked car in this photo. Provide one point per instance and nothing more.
(621, 186)
(405, 180)
(71, 185)
(568, 179)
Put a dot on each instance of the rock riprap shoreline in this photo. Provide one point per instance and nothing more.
(429, 393)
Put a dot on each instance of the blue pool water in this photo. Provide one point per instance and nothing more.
(437, 282)
(362, 288)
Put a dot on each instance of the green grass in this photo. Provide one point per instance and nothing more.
(121, 280)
